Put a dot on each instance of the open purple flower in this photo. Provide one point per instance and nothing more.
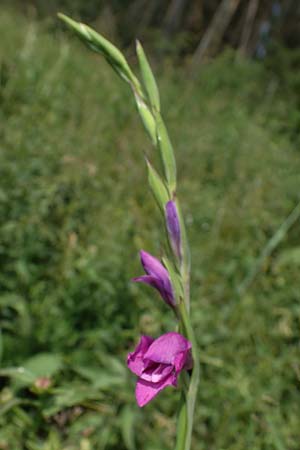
(173, 227)
(157, 363)
(157, 276)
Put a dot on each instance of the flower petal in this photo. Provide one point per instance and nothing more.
(152, 281)
(156, 372)
(173, 227)
(163, 286)
(153, 266)
(135, 359)
(165, 348)
(183, 360)
(145, 391)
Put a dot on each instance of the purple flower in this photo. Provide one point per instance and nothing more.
(173, 227)
(157, 276)
(157, 363)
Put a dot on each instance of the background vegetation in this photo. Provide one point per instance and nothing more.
(195, 29)
(75, 210)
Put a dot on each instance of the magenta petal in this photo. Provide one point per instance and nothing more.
(163, 286)
(153, 266)
(145, 391)
(165, 348)
(135, 359)
(183, 361)
(156, 372)
(173, 227)
(152, 281)
(157, 276)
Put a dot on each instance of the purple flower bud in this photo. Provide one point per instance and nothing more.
(157, 363)
(157, 277)
(173, 227)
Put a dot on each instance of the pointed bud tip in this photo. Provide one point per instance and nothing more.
(173, 226)
(144, 254)
(65, 18)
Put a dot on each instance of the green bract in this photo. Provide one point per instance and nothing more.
(166, 152)
(148, 78)
(157, 187)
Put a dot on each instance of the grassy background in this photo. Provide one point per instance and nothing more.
(75, 210)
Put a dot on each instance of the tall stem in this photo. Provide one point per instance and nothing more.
(194, 381)
(189, 390)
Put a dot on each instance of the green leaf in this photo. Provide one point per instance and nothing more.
(148, 78)
(127, 421)
(20, 375)
(70, 395)
(40, 365)
(99, 378)
(44, 364)
(166, 152)
(158, 187)
(18, 304)
(13, 403)
(289, 257)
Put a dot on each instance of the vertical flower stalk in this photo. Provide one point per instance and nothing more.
(172, 358)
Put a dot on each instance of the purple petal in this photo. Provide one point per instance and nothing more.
(153, 266)
(173, 226)
(135, 359)
(163, 286)
(145, 391)
(165, 348)
(183, 361)
(156, 372)
(152, 281)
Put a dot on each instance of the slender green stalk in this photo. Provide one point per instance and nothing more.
(181, 423)
(275, 240)
(185, 420)
(194, 381)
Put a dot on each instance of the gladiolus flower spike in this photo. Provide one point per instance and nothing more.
(157, 363)
(157, 277)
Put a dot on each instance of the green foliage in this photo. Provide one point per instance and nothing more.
(157, 187)
(75, 211)
(148, 78)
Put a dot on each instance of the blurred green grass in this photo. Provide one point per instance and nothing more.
(75, 210)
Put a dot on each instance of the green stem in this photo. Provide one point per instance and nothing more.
(181, 422)
(269, 248)
(194, 381)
